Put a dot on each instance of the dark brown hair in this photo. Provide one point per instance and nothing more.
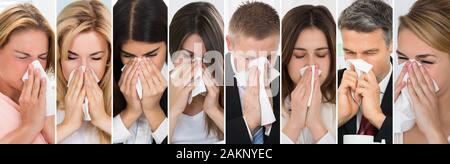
(294, 22)
(200, 18)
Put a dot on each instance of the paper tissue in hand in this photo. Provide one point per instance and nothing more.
(313, 76)
(200, 87)
(404, 114)
(361, 67)
(50, 92)
(86, 115)
(267, 116)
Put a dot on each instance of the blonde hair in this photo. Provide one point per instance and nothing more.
(430, 21)
(78, 17)
(22, 17)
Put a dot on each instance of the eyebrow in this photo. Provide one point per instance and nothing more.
(151, 52)
(92, 54)
(190, 52)
(317, 49)
(345, 49)
(28, 53)
(401, 53)
(370, 50)
(418, 56)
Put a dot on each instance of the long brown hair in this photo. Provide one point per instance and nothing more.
(294, 22)
(200, 18)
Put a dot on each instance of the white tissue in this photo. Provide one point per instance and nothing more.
(50, 92)
(267, 116)
(361, 67)
(86, 115)
(404, 114)
(200, 87)
(302, 72)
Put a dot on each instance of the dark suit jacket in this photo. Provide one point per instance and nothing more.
(385, 132)
(236, 129)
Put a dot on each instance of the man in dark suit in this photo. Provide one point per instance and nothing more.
(365, 102)
(253, 32)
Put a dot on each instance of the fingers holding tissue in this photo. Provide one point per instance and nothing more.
(86, 115)
(422, 84)
(361, 67)
(50, 96)
(314, 74)
(265, 76)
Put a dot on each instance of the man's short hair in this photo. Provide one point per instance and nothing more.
(254, 19)
(368, 16)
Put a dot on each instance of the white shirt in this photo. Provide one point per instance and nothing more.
(383, 85)
(193, 130)
(139, 132)
(86, 134)
(328, 112)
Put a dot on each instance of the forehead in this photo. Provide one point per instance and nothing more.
(29, 41)
(311, 38)
(88, 42)
(361, 41)
(252, 46)
(411, 45)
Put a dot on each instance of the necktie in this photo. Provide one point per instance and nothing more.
(365, 128)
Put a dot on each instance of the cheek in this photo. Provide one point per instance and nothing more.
(294, 67)
(159, 60)
(324, 65)
(67, 67)
(440, 75)
(125, 61)
(99, 70)
(43, 63)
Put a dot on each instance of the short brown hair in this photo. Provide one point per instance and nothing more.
(255, 19)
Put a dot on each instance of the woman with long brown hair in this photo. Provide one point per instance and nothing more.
(309, 88)
(196, 47)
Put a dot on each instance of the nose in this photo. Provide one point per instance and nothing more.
(312, 60)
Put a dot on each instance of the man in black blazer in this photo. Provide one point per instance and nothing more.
(254, 32)
(236, 126)
(365, 102)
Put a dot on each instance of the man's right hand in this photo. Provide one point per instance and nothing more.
(348, 106)
(252, 111)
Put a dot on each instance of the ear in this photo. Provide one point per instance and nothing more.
(229, 43)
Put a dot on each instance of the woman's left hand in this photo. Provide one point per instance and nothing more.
(153, 87)
(314, 120)
(211, 104)
(95, 97)
(425, 103)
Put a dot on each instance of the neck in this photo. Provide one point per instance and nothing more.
(195, 107)
(384, 73)
(9, 91)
